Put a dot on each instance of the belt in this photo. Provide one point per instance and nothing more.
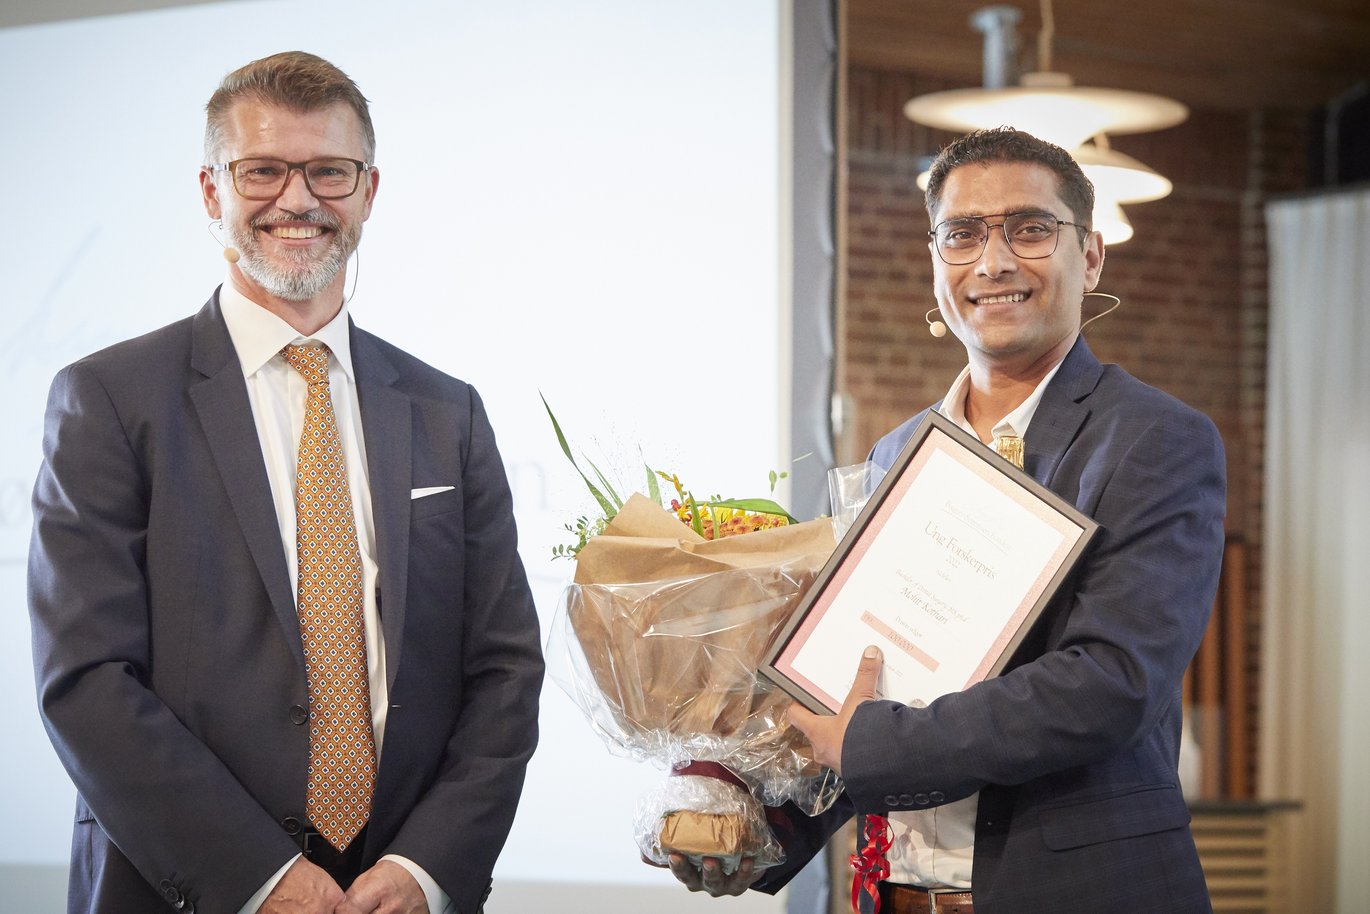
(344, 866)
(908, 899)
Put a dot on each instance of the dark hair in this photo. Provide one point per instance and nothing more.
(296, 80)
(1005, 144)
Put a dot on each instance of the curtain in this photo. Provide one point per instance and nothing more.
(1315, 725)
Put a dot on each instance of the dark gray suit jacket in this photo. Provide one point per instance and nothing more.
(1073, 749)
(167, 649)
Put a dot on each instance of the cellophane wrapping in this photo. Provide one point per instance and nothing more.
(658, 641)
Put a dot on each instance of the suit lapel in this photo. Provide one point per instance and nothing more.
(225, 414)
(1061, 413)
(386, 429)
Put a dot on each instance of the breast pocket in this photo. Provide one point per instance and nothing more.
(437, 503)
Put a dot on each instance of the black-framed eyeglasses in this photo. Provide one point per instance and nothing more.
(1030, 236)
(264, 179)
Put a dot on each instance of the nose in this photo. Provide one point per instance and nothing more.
(296, 197)
(998, 257)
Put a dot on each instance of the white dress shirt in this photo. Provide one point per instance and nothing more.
(277, 395)
(935, 848)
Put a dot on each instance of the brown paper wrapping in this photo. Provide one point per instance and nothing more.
(673, 627)
(701, 834)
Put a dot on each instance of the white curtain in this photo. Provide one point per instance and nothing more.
(1315, 726)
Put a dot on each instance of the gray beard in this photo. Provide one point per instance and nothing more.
(296, 276)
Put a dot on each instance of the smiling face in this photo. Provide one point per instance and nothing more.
(1013, 314)
(293, 248)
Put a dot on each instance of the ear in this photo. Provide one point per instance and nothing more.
(1094, 260)
(210, 192)
(371, 184)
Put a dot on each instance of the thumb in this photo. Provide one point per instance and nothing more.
(802, 718)
(867, 674)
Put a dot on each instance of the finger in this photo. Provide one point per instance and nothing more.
(686, 872)
(867, 675)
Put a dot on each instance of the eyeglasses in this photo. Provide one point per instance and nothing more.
(1030, 236)
(264, 179)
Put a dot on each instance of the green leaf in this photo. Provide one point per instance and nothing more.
(695, 520)
(756, 506)
(653, 489)
(608, 486)
(609, 509)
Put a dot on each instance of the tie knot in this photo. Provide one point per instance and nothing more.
(309, 361)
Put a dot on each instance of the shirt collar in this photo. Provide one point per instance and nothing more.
(1015, 423)
(258, 335)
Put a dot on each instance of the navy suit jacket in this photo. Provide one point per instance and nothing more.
(167, 648)
(1073, 749)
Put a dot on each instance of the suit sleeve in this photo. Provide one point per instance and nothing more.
(1119, 640)
(131, 759)
(459, 825)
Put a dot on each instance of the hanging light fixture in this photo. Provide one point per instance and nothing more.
(1048, 105)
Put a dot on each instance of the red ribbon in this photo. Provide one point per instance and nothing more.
(870, 863)
(709, 770)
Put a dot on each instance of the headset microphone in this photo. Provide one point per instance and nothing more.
(230, 253)
(936, 328)
(1109, 310)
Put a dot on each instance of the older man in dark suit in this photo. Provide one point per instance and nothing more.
(283, 640)
(1052, 787)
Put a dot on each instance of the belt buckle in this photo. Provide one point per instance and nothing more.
(934, 894)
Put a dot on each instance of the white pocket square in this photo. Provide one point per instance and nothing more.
(428, 490)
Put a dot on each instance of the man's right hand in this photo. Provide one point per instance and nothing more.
(307, 889)
(709, 878)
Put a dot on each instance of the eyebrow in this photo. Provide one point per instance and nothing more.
(1012, 211)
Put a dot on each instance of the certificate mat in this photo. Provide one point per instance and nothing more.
(945, 569)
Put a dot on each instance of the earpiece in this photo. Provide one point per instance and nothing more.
(1109, 310)
(936, 328)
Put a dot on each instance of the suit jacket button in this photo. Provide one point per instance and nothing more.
(291, 825)
(171, 895)
(891, 801)
(921, 799)
(905, 800)
(937, 796)
(298, 715)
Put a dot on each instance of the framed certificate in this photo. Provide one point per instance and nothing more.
(946, 568)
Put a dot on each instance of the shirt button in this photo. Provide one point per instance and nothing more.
(298, 715)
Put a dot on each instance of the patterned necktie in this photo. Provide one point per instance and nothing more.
(342, 750)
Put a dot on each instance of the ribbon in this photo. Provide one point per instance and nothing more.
(870, 864)
(709, 770)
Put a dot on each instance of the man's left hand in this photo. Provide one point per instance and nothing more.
(387, 888)
(826, 732)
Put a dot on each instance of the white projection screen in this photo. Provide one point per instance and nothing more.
(578, 199)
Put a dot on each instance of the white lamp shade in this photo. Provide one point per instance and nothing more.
(1047, 106)
(1111, 221)
(1120, 177)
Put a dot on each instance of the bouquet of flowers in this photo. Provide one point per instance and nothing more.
(659, 638)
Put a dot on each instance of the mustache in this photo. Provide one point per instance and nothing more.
(281, 216)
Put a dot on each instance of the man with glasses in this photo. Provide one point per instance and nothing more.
(283, 640)
(1054, 786)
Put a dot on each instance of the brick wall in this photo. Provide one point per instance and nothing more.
(1192, 280)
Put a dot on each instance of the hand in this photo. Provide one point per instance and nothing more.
(709, 878)
(826, 732)
(305, 889)
(386, 888)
